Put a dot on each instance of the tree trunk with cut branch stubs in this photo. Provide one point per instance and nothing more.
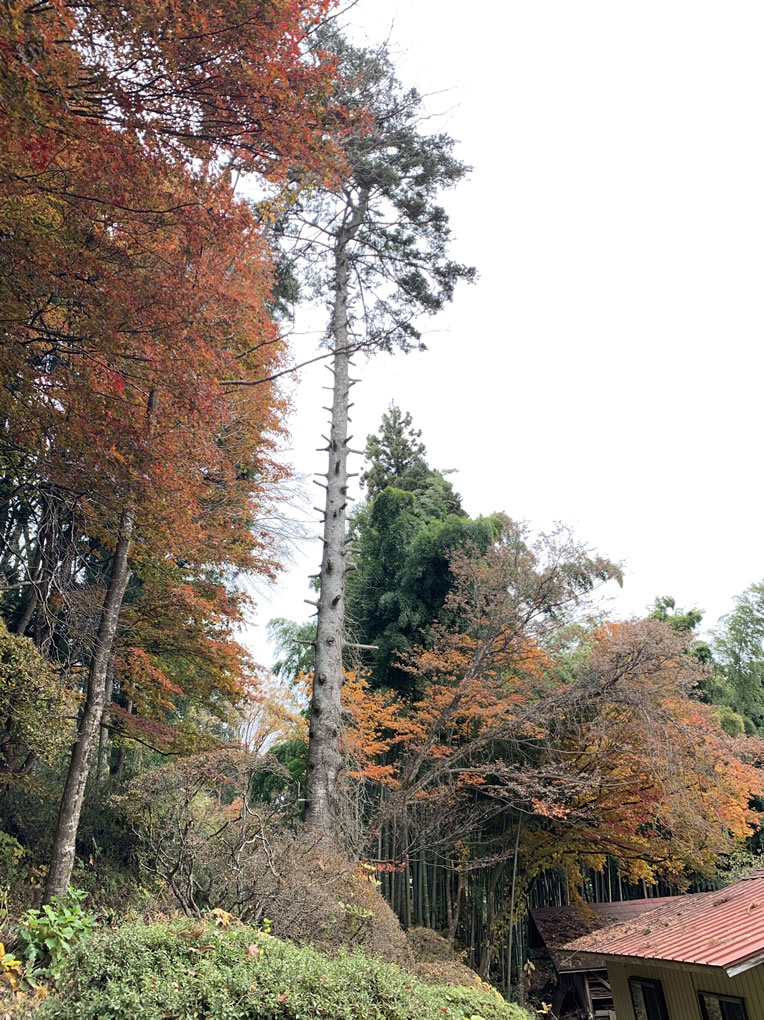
(381, 253)
(324, 759)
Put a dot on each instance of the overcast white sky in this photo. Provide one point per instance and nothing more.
(606, 369)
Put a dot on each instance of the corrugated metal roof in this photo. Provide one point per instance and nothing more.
(715, 929)
(558, 925)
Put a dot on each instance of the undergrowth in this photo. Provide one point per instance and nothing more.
(177, 972)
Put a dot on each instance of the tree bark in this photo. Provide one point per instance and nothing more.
(447, 886)
(324, 760)
(102, 758)
(490, 899)
(512, 903)
(425, 904)
(62, 854)
(407, 890)
(31, 603)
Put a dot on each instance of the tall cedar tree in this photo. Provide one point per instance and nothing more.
(395, 454)
(403, 538)
(380, 248)
(132, 282)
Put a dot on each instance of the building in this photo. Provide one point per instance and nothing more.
(582, 981)
(698, 957)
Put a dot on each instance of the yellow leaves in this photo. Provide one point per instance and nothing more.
(368, 872)
(272, 716)
(636, 871)
(11, 969)
(487, 989)
(223, 919)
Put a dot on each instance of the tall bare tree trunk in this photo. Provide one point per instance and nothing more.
(324, 760)
(31, 603)
(62, 854)
(447, 895)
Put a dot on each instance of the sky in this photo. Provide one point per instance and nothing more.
(606, 369)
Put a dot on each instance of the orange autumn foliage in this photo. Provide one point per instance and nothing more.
(593, 737)
(663, 789)
(602, 749)
(134, 286)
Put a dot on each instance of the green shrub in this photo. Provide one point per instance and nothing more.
(48, 934)
(35, 705)
(163, 972)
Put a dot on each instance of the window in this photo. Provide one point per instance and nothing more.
(721, 1007)
(647, 999)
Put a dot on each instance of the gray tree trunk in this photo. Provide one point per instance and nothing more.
(62, 854)
(104, 744)
(324, 760)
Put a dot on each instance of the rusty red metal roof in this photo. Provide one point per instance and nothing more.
(714, 929)
(558, 925)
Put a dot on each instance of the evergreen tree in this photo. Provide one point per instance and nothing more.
(404, 537)
(379, 249)
(396, 457)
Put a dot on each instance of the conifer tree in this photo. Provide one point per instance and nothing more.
(394, 455)
(379, 248)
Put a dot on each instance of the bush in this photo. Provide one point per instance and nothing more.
(48, 934)
(168, 972)
(435, 960)
(199, 832)
(34, 709)
(214, 846)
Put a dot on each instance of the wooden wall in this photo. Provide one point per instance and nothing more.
(681, 987)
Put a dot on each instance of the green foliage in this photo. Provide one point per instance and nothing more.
(352, 910)
(405, 541)
(712, 687)
(164, 972)
(739, 652)
(387, 219)
(293, 642)
(33, 707)
(293, 755)
(47, 935)
(730, 721)
(741, 864)
(5, 896)
(395, 458)
(405, 535)
(11, 854)
(355, 918)
(665, 611)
